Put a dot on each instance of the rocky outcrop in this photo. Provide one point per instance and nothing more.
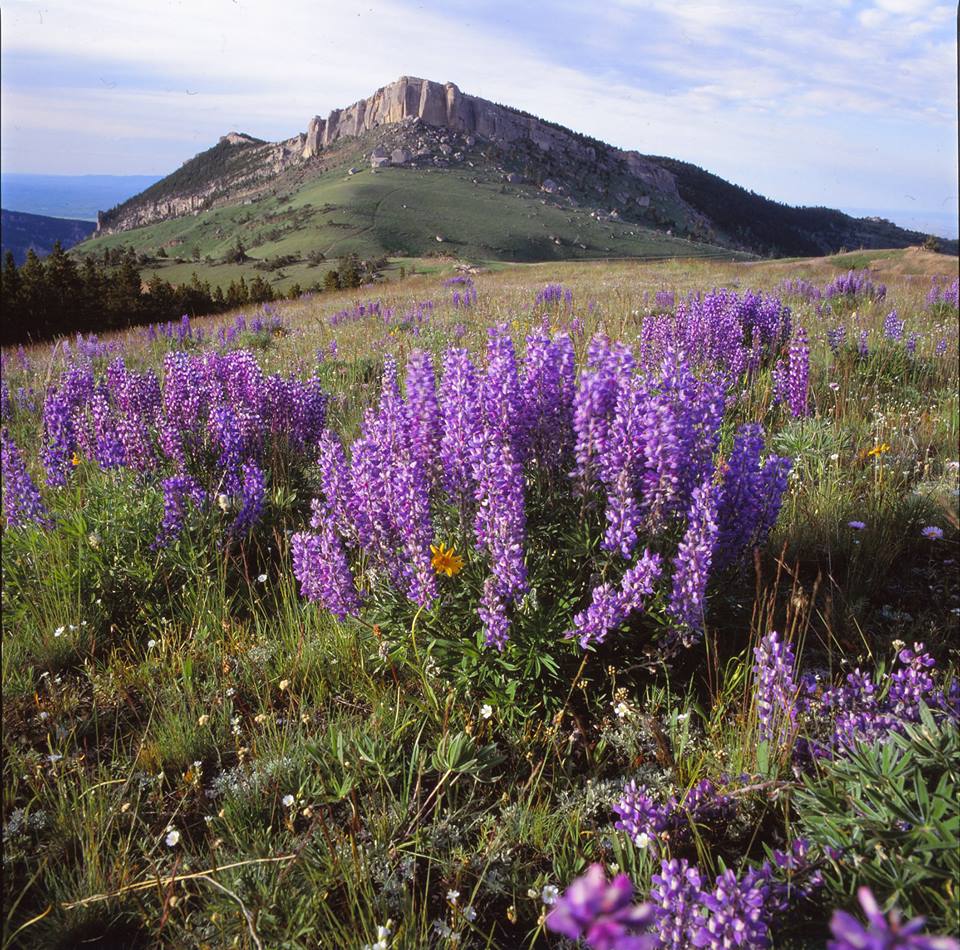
(435, 123)
(419, 100)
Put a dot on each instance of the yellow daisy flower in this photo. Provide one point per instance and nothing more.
(445, 560)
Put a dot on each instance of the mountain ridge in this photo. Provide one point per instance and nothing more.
(419, 124)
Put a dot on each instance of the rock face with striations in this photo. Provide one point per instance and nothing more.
(447, 107)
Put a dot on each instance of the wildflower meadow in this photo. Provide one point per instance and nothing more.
(606, 605)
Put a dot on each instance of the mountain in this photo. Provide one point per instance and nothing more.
(21, 231)
(420, 168)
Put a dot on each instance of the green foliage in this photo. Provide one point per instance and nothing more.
(889, 810)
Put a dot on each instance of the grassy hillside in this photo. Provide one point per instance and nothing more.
(773, 227)
(396, 212)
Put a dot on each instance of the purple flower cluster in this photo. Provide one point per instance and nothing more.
(893, 327)
(683, 911)
(720, 331)
(855, 283)
(602, 913)
(775, 689)
(644, 820)
(465, 294)
(21, 499)
(209, 420)
(943, 295)
(862, 709)
(611, 606)
(799, 287)
(750, 498)
(553, 295)
(882, 931)
(639, 446)
(791, 379)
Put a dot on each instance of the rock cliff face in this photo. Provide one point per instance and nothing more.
(446, 106)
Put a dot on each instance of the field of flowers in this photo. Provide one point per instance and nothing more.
(611, 603)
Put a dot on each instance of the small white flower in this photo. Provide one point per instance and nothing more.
(642, 840)
(262, 578)
(486, 711)
(622, 710)
(469, 913)
(550, 894)
(452, 896)
(223, 502)
(59, 631)
(230, 690)
(288, 801)
(835, 457)
(172, 838)
(151, 644)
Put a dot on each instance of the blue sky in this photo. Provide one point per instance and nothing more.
(846, 104)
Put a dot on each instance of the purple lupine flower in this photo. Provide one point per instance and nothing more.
(941, 346)
(620, 467)
(640, 817)
(750, 496)
(854, 283)
(501, 401)
(862, 346)
(893, 326)
(177, 492)
(605, 613)
(791, 379)
(911, 344)
(423, 411)
(882, 931)
(461, 422)
(738, 912)
(253, 489)
(639, 580)
(500, 523)
(547, 393)
(776, 689)
(107, 448)
(676, 895)
(835, 338)
(692, 563)
(595, 402)
(798, 876)
(60, 438)
(21, 499)
(493, 615)
(602, 913)
(335, 482)
(705, 803)
(320, 565)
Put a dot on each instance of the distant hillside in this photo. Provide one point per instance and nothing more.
(771, 227)
(21, 231)
(420, 166)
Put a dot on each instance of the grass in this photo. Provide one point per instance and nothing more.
(394, 212)
(316, 789)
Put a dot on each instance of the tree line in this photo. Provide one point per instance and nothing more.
(59, 295)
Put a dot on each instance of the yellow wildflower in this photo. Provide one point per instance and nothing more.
(879, 449)
(75, 460)
(445, 560)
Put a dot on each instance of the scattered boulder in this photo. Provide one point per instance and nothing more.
(399, 156)
(550, 186)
